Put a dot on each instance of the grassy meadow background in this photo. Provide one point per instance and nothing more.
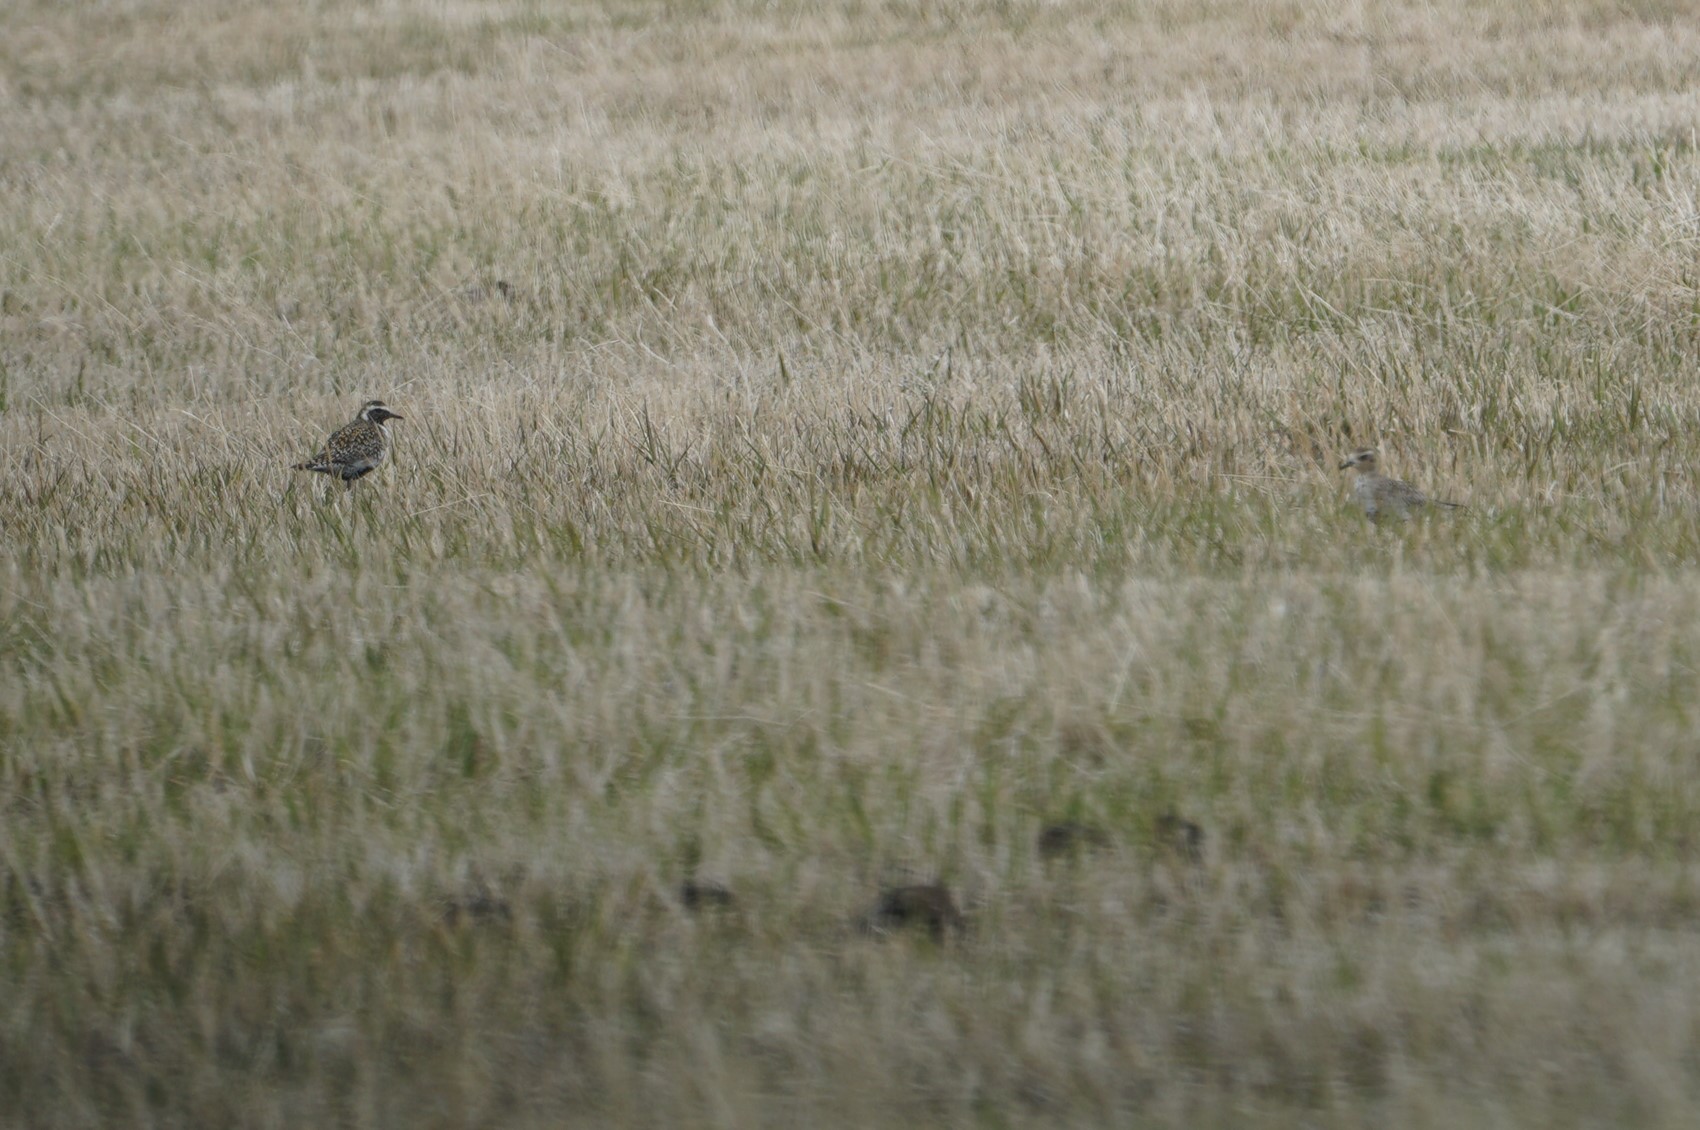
(840, 441)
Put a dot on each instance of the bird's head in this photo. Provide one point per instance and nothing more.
(1364, 462)
(375, 412)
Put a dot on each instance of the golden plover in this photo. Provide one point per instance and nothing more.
(1381, 496)
(357, 449)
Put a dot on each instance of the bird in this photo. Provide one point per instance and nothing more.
(1381, 496)
(357, 449)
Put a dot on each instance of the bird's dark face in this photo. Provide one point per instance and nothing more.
(374, 412)
(1364, 461)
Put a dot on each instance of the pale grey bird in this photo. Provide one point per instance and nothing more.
(1381, 496)
(356, 449)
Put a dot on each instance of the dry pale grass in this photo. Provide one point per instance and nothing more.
(898, 430)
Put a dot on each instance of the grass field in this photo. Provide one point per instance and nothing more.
(840, 442)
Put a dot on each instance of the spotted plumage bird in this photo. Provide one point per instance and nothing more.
(1381, 496)
(357, 449)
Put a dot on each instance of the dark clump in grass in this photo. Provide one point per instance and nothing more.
(1070, 838)
(1180, 836)
(705, 894)
(924, 906)
(480, 909)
